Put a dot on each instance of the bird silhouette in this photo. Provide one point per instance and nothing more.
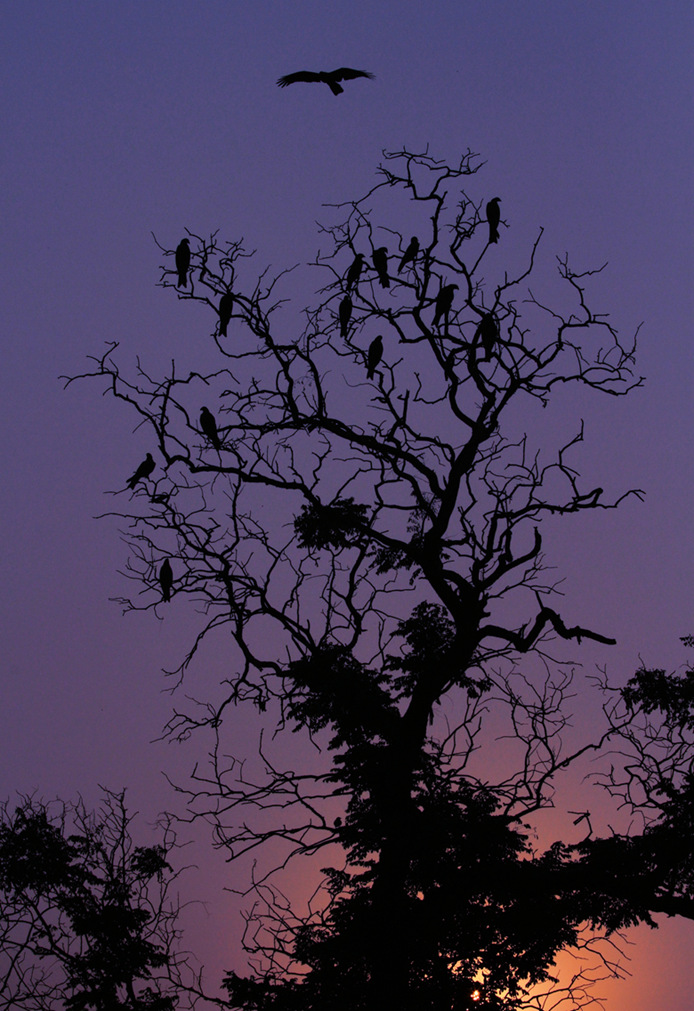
(444, 301)
(410, 253)
(354, 271)
(493, 217)
(143, 471)
(380, 259)
(209, 427)
(488, 333)
(226, 305)
(345, 314)
(166, 579)
(183, 262)
(329, 77)
(373, 356)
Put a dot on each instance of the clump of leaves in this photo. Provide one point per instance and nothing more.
(337, 525)
(431, 637)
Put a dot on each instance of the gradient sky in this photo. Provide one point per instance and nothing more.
(122, 119)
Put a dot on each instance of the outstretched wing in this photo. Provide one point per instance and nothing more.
(346, 74)
(300, 75)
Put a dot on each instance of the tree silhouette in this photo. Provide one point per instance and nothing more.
(374, 551)
(85, 918)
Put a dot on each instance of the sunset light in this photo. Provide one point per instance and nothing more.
(347, 641)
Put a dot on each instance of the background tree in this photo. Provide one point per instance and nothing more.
(86, 918)
(372, 547)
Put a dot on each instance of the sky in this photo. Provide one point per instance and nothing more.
(123, 120)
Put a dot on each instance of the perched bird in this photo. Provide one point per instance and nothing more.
(373, 356)
(183, 262)
(143, 471)
(209, 427)
(410, 253)
(345, 314)
(493, 217)
(329, 77)
(354, 271)
(444, 301)
(226, 305)
(380, 259)
(488, 333)
(166, 579)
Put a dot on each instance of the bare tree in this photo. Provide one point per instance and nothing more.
(368, 533)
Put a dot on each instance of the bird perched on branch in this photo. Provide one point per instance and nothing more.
(143, 471)
(493, 217)
(373, 356)
(488, 333)
(345, 314)
(209, 427)
(354, 271)
(166, 579)
(410, 253)
(329, 77)
(183, 262)
(444, 301)
(380, 259)
(226, 305)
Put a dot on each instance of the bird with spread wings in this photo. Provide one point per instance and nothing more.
(329, 77)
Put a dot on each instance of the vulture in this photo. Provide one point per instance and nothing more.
(183, 262)
(329, 77)
(354, 271)
(143, 471)
(374, 355)
(226, 305)
(209, 427)
(345, 314)
(444, 301)
(166, 579)
(488, 333)
(380, 259)
(410, 253)
(493, 217)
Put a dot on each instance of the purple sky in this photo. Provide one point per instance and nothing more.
(119, 119)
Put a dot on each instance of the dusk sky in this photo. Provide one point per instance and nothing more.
(123, 119)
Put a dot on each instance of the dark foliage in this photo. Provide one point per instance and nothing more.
(330, 526)
(82, 913)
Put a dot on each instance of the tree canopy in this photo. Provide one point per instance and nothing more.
(367, 532)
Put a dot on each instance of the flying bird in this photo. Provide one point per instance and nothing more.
(374, 355)
(488, 333)
(354, 271)
(209, 427)
(166, 579)
(183, 262)
(329, 77)
(143, 471)
(345, 314)
(226, 305)
(444, 301)
(493, 217)
(380, 259)
(410, 253)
